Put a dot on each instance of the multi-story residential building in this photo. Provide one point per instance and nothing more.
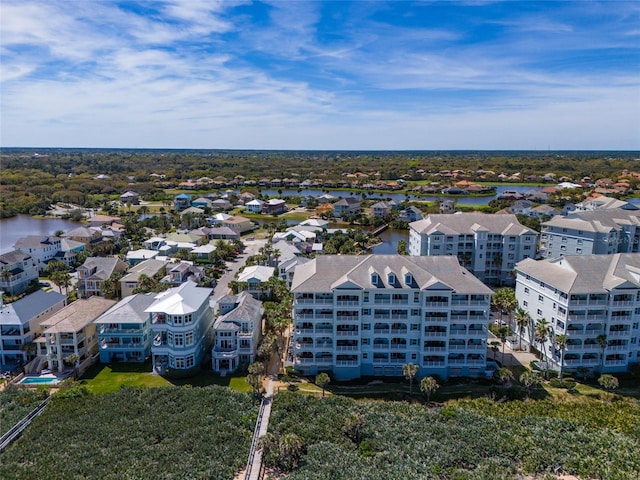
(488, 245)
(151, 268)
(71, 331)
(41, 248)
(124, 331)
(592, 299)
(254, 280)
(602, 231)
(382, 209)
(182, 201)
(410, 214)
(346, 206)
(17, 271)
(20, 323)
(94, 271)
(182, 329)
(238, 330)
(369, 315)
(85, 235)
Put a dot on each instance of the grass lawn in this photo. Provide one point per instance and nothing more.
(109, 378)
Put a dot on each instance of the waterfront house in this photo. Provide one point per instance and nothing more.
(238, 330)
(71, 331)
(124, 331)
(17, 271)
(42, 249)
(20, 323)
(181, 325)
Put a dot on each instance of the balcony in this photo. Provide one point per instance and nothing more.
(433, 364)
(347, 348)
(121, 346)
(615, 363)
(435, 334)
(348, 303)
(619, 333)
(347, 318)
(120, 331)
(301, 331)
(622, 303)
(347, 333)
(346, 363)
(436, 349)
(437, 304)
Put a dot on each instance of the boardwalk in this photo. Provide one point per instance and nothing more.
(254, 464)
(15, 432)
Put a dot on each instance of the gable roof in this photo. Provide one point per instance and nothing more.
(130, 309)
(468, 223)
(585, 273)
(29, 307)
(247, 309)
(77, 315)
(327, 272)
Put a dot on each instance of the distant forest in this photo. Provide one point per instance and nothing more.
(33, 178)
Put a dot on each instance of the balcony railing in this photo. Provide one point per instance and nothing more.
(619, 333)
(435, 334)
(347, 348)
(346, 363)
(622, 303)
(345, 303)
(347, 333)
(433, 364)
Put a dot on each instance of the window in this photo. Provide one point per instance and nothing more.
(408, 279)
(579, 242)
(563, 248)
(178, 340)
(190, 361)
(177, 319)
(365, 341)
(539, 312)
(188, 318)
(366, 311)
(416, 297)
(578, 250)
(365, 297)
(179, 362)
(365, 356)
(540, 298)
(391, 278)
(526, 290)
(374, 278)
(366, 326)
(188, 338)
(414, 341)
(415, 326)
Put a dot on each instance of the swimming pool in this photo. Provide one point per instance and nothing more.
(39, 381)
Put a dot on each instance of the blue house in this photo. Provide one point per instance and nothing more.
(182, 201)
(124, 331)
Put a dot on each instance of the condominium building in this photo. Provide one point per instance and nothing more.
(181, 325)
(592, 299)
(238, 330)
(124, 331)
(488, 245)
(601, 231)
(369, 315)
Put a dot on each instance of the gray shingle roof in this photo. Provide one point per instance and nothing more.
(130, 309)
(247, 309)
(28, 307)
(326, 272)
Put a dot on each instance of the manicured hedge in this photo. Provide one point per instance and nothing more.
(461, 441)
(155, 433)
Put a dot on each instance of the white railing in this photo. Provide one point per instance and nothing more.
(347, 333)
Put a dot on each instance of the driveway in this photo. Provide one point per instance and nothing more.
(251, 248)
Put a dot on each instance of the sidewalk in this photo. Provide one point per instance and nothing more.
(511, 357)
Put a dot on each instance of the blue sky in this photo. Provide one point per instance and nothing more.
(320, 75)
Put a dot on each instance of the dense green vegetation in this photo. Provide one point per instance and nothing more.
(347, 439)
(29, 183)
(154, 433)
(16, 403)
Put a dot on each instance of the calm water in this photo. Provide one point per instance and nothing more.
(399, 197)
(11, 229)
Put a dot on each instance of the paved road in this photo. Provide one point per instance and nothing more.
(251, 248)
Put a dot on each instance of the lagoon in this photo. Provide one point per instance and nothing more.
(14, 228)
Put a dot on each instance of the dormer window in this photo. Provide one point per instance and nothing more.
(408, 279)
(374, 278)
(391, 278)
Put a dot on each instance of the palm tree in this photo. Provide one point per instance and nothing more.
(291, 448)
(522, 320)
(541, 336)
(6, 276)
(428, 385)
(322, 380)
(503, 331)
(529, 380)
(494, 347)
(608, 382)
(561, 342)
(409, 370)
(602, 341)
(504, 375)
